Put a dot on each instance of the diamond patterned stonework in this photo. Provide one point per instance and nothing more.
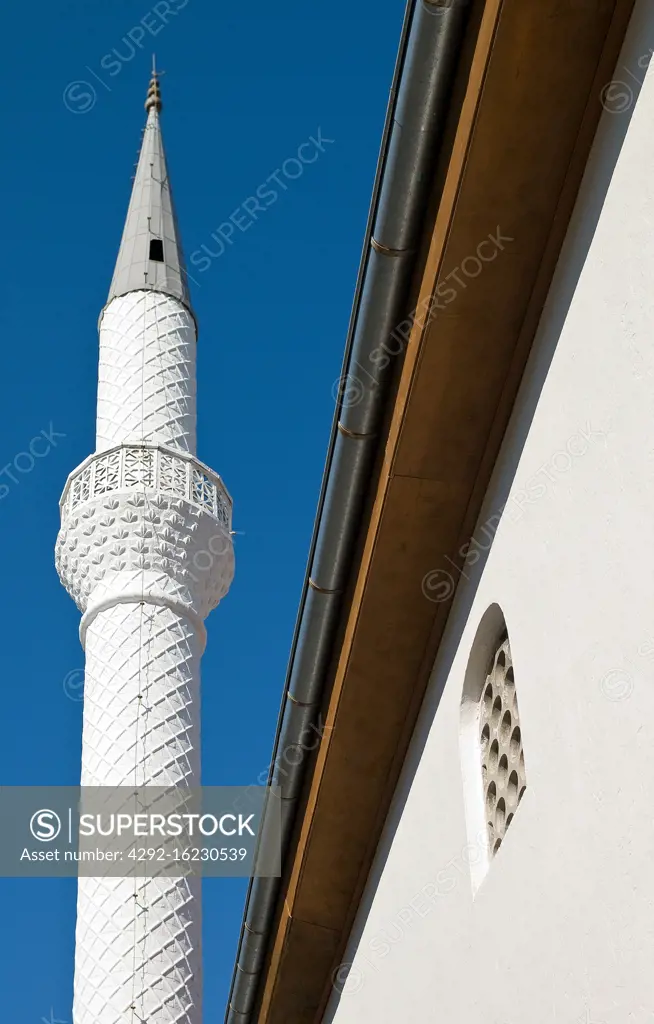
(138, 955)
(144, 546)
(146, 374)
(141, 698)
(138, 939)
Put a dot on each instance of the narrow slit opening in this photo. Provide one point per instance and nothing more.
(156, 250)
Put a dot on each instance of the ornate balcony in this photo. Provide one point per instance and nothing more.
(147, 467)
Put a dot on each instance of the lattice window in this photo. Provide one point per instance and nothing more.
(502, 756)
(81, 487)
(222, 510)
(85, 484)
(203, 491)
(172, 474)
(107, 473)
(139, 464)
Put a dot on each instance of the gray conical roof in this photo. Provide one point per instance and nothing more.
(150, 254)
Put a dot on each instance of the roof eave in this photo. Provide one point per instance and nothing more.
(418, 104)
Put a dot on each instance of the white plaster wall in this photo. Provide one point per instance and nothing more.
(561, 928)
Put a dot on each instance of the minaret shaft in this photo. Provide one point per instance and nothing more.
(145, 550)
(138, 940)
(146, 374)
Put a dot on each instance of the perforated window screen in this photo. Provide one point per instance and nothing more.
(502, 756)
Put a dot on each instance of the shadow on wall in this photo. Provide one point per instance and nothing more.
(618, 98)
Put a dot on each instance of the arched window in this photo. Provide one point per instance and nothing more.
(492, 757)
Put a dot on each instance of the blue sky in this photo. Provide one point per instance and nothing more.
(246, 86)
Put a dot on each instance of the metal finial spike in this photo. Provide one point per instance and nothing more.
(153, 98)
(151, 219)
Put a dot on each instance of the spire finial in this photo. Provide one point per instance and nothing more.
(153, 98)
(150, 254)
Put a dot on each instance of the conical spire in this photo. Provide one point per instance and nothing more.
(150, 254)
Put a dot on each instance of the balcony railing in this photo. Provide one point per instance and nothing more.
(147, 468)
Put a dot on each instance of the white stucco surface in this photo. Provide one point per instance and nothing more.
(561, 926)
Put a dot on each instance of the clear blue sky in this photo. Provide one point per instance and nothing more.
(246, 85)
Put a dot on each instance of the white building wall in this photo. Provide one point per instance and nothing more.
(561, 928)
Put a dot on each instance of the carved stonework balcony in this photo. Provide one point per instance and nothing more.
(147, 467)
(145, 523)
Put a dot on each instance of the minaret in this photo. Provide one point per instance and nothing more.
(145, 550)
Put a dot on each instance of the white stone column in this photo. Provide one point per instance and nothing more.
(138, 951)
(145, 550)
(146, 372)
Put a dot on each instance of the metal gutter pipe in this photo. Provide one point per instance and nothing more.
(418, 104)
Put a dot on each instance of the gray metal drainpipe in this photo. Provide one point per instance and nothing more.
(429, 49)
